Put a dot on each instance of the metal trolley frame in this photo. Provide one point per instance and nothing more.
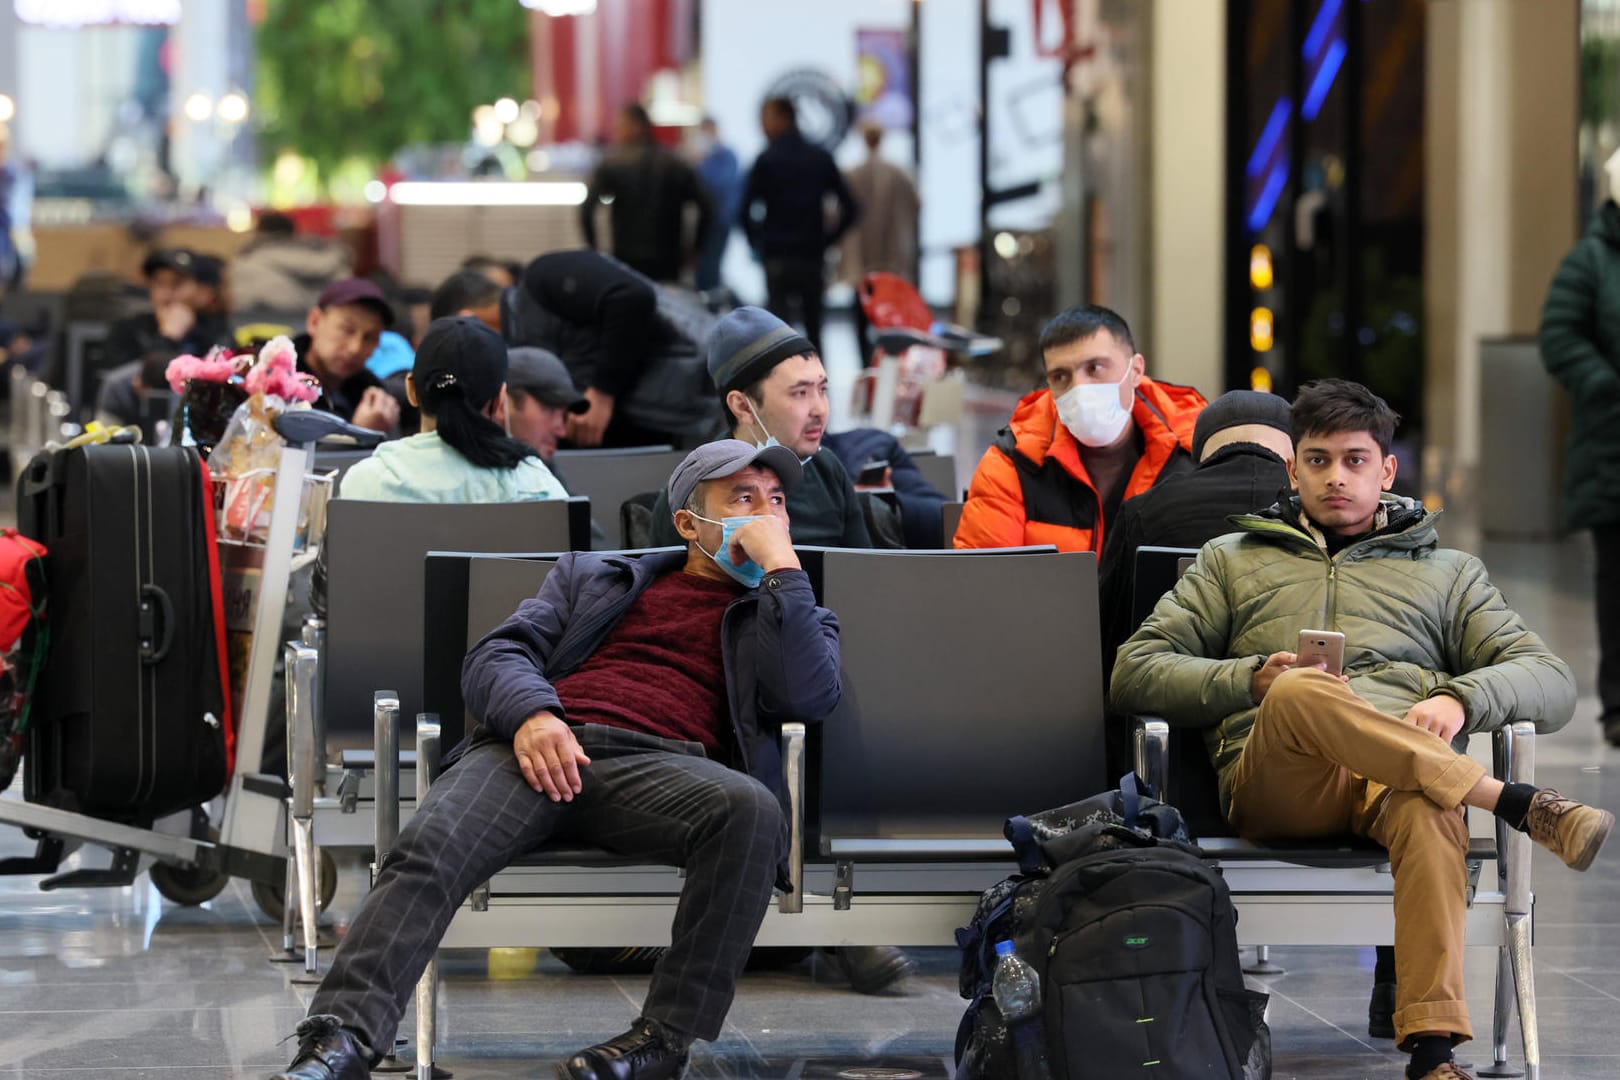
(250, 815)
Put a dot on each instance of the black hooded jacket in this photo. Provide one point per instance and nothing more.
(1185, 511)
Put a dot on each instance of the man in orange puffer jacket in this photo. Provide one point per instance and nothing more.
(1100, 432)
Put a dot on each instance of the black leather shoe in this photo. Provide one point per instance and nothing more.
(871, 969)
(327, 1052)
(642, 1053)
(1381, 1011)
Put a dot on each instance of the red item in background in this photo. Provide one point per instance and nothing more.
(18, 603)
(890, 301)
(216, 585)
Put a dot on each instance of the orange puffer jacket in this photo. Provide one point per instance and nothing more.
(1032, 488)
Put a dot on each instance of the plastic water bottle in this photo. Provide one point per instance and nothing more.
(1017, 991)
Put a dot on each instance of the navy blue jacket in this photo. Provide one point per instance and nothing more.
(921, 506)
(780, 652)
(792, 178)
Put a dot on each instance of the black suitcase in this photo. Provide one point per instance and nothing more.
(130, 715)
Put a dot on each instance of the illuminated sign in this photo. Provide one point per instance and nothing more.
(72, 14)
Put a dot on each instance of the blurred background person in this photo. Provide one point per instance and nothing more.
(647, 189)
(721, 176)
(885, 238)
(784, 213)
(281, 274)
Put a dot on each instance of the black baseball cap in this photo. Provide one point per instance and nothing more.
(538, 373)
(179, 260)
(357, 290)
(208, 270)
(460, 351)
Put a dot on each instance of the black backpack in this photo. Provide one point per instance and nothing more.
(1133, 935)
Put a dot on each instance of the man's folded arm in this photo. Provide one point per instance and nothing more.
(797, 649)
(1508, 672)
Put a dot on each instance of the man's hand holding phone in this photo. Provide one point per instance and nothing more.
(1320, 649)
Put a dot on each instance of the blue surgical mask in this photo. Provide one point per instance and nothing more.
(750, 573)
(770, 440)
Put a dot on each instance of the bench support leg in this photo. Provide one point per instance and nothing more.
(427, 1020)
(288, 953)
(1502, 1018)
(1262, 963)
(1524, 982)
(308, 906)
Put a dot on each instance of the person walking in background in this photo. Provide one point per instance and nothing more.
(280, 272)
(784, 214)
(885, 241)
(1580, 346)
(649, 189)
(721, 176)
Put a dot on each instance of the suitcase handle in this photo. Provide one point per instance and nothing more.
(156, 624)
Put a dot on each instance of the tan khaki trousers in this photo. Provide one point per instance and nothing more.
(1322, 762)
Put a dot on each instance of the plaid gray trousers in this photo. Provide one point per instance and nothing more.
(642, 797)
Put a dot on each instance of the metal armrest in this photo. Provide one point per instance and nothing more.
(429, 756)
(792, 902)
(385, 812)
(1513, 754)
(300, 663)
(1150, 743)
(313, 636)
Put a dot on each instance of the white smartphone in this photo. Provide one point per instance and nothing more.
(1321, 647)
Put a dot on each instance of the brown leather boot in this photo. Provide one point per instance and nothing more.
(1573, 831)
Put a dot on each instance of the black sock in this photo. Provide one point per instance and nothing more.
(1429, 1052)
(1514, 805)
(1384, 967)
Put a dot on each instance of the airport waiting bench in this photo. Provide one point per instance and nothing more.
(972, 692)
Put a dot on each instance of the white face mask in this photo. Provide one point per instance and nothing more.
(1092, 412)
(770, 440)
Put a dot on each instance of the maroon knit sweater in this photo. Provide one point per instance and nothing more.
(660, 670)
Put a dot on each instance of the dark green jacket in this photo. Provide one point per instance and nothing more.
(1418, 620)
(823, 510)
(1580, 345)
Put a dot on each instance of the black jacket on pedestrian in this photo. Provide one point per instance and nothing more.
(921, 506)
(597, 314)
(1185, 511)
(779, 649)
(138, 337)
(648, 189)
(791, 180)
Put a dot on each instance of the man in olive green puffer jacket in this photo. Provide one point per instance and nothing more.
(1432, 653)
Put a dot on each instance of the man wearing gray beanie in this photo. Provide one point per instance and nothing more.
(773, 389)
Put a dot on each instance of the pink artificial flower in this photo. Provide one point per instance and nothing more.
(276, 374)
(217, 366)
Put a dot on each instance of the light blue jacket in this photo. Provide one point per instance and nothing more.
(425, 469)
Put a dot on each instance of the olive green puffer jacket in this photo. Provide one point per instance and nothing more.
(1418, 620)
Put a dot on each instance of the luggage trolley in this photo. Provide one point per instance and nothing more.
(246, 836)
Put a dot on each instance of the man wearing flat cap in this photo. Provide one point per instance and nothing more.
(541, 397)
(623, 738)
(774, 390)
